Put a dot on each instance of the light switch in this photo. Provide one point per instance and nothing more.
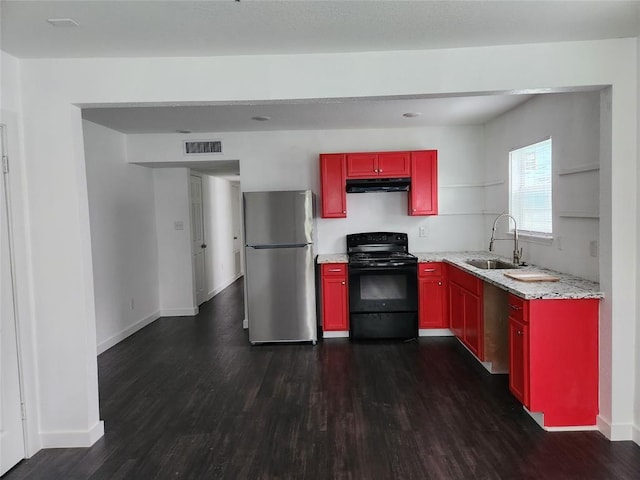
(423, 231)
(178, 225)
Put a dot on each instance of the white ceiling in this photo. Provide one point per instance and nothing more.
(344, 114)
(226, 27)
(119, 28)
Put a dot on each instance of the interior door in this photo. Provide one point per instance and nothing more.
(197, 235)
(11, 429)
(236, 221)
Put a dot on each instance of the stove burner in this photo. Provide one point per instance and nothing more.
(396, 258)
(379, 249)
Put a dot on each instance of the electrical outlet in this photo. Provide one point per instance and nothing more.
(593, 248)
(178, 225)
(422, 231)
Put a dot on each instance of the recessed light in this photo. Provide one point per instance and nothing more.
(62, 22)
(411, 114)
(261, 118)
(184, 131)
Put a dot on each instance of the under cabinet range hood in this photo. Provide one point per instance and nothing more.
(363, 185)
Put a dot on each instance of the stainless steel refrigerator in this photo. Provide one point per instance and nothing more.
(279, 273)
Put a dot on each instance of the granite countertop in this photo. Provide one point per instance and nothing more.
(333, 258)
(568, 287)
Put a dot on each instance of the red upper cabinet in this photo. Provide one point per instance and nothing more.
(394, 164)
(362, 165)
(423, 198)
(332, 185)
(382, 164)
(420, 166)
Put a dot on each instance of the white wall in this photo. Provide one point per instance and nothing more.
(636, 427)
(123, 237)
(55, 179)
(573, 122)
(289, 161)
(175, 264)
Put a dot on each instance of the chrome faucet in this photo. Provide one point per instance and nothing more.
(517, 253)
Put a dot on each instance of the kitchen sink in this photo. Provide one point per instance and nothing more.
(491, 264)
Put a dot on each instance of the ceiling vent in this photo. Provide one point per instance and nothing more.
(200, 147)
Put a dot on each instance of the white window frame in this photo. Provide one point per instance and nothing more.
(518, 179)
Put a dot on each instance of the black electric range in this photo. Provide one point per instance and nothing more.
(383, 286)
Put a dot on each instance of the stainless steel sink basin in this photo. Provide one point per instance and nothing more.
(491, 264)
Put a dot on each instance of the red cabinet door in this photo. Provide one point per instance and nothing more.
(456, 309)
(394, 164)
(519, 360)
(332, 185)
(362, 165)
(335, 312)
(473, 335)
(423, 197)
(433, 300)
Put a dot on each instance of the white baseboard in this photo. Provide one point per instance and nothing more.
(616, 432)
(179, 312)
(216, 291)
(73, 439)
(335, 334)
(636, 434)
(122, 334)
(435, 332)
(539, 418)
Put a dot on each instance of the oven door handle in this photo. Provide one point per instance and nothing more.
(385, 269)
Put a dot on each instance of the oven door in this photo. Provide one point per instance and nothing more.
(383, 289)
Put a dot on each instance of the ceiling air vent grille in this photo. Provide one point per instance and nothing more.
(200, 147)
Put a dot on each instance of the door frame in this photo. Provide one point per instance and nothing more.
(6, 189)
(205, 295)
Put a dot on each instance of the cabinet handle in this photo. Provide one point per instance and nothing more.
(342, 283)
(439, 283)
(429, 270)
(380, 171)
(344, 211)
(515, 307)
(335, 270)
(519, 333)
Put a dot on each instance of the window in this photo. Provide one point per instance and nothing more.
(530, 188)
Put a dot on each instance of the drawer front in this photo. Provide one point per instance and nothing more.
(430, 269)
(465, 280)
(518, 309)
(334, 269)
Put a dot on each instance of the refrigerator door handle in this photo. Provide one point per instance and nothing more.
(288, 245)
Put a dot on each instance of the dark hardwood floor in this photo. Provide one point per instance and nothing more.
(190, 398)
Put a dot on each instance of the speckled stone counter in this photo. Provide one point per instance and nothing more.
(568, 287)
(333, 258)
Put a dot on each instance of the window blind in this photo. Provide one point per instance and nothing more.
(530, 188)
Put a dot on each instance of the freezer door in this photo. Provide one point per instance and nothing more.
(278, 218)
(280, 294)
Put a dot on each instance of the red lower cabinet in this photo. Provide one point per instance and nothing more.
(519, 360)
(465, 307)
(554, 358)
(335, 300)
(433, 296)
